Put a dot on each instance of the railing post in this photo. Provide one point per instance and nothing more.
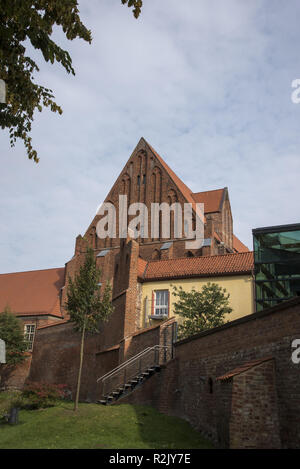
(125, 375)
(156, 356)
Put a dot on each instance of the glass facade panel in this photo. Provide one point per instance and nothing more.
(277, 264)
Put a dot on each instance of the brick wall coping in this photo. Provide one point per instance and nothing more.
(148, 329)
(250, 317)
(110, 349)
(119, 294)
(242, 368)
(58, 323)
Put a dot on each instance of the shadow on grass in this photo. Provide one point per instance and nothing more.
(160, 431)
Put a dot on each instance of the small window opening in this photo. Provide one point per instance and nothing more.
(210, 386)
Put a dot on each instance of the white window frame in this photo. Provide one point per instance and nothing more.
(161, 303)
(29, 335)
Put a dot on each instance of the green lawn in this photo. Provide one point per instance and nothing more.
(95, 426)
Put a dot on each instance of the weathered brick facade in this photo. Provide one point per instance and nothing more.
(257, 408)
(147, 179)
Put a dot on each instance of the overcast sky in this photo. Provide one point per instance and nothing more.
(207, 83)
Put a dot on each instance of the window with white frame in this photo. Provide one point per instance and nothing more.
(29, 330)
(161, 303)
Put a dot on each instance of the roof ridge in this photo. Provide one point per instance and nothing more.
(210, 190)
(202, 257)
(34, 270)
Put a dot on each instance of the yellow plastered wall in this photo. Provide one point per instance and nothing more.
(240, 288)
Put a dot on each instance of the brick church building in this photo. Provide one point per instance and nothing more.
(233, 383)
(147, 179)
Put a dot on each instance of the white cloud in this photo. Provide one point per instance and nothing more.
(208, 84)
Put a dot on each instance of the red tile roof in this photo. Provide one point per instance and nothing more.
(206, 266)
(242, 368)
(32, 293)
(141, 266)
(238, 245)
(211, 199)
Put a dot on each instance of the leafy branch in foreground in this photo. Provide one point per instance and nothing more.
(136, 4)
(24, 22)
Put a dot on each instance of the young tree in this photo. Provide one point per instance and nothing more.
(86, 307)
(11, 331)
(201, 310)
(32, 21)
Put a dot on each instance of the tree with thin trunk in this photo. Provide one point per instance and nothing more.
(87, 308)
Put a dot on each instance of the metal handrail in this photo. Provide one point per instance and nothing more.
(130, 361)
(121, 365)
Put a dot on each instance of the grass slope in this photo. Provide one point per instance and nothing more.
(95, 426)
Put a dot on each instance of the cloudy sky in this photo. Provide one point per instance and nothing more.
(207, 83)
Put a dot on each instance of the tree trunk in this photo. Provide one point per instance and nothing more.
(80, 368)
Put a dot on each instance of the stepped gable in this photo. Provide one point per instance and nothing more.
(146, 178)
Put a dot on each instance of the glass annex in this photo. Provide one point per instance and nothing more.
(276, 264)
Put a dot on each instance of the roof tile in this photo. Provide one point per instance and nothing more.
(211, 199)
(32, 293)
(204, 266)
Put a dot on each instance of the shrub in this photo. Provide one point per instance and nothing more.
(38, 395)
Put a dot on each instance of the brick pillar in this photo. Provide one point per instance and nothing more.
(125, 292)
